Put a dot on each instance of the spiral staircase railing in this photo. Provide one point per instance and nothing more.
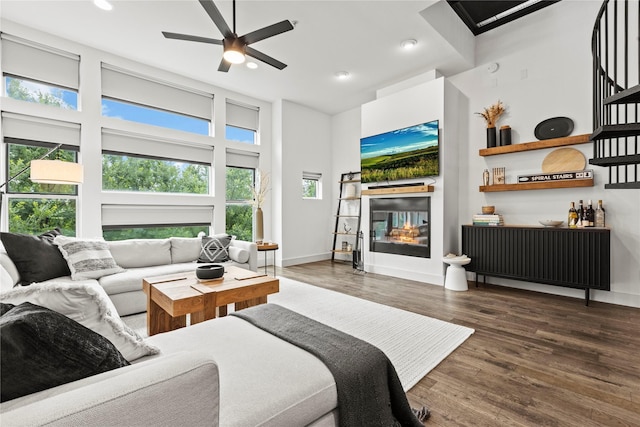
(615, 46)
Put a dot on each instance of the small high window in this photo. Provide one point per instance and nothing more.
(311, 185)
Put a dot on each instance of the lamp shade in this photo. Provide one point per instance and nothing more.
(56, 172)
(234, 51)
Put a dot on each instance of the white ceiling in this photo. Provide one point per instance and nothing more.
(361, 37)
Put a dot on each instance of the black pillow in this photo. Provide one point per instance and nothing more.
(36, 257)
(41, 348)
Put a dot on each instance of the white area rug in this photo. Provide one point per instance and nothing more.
(415, 344)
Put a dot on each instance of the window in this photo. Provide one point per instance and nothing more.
(239, 210)
(121, 172)
(154, 221)
(40, 93)
(240, 135)
(311, 188)
(34, 208)
(132, 162)
(153, 232)
(242, 122)
(41, 74)
(131, 96)
(152, 116)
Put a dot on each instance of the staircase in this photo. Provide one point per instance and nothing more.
(615, 45)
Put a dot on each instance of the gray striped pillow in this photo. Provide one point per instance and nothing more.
(87, 259)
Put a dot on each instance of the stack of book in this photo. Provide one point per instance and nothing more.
(482, 219)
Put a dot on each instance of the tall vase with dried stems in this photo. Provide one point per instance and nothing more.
(259, 194)
(491, 115)
(259, 225)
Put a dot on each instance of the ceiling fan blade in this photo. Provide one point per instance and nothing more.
(224, 65)
(264, 58)
(216, 17)
(190, 38)
(266, 32)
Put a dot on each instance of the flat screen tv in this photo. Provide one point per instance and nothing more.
(406, 153)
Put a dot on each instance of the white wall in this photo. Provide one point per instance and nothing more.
(544, 71)
(303, 144)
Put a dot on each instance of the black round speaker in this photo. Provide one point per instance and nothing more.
(555, 127)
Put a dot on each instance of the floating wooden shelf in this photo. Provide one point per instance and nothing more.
(399, 190)
(537, 185)
(536, 145)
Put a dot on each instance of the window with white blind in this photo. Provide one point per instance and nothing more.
(130, 96)
(132, 162)
(311, 185)
(242, 122)
(41, 74)
(121, 222)
(33, 208)
(240, 179)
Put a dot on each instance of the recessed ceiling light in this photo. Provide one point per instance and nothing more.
(409, 44)
(342, 75)
(252, 65)
(103, 4)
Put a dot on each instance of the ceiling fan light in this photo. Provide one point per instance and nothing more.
(234, 56)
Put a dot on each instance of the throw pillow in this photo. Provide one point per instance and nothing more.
(36, 257)
(41, 349)
(215, 248)
(87, 259)
(86, 303)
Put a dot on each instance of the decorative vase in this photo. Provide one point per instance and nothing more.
(259, 225)
(505, 135)
(491, 137)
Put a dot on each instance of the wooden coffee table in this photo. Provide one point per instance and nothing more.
(171, 297)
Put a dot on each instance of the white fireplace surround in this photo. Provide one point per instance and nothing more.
(434, 100)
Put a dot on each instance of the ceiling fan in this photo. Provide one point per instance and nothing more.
(235, 48)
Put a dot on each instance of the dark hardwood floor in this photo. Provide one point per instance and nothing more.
(534, 359)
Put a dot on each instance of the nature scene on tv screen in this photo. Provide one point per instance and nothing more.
(406, 153)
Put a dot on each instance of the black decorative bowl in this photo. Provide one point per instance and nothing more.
(210, 271)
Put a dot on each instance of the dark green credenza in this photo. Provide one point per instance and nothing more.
(574, 258)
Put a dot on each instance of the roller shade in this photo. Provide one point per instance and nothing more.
(35, 61)
(40, 129)
(127, 215)
(242, 116)
(311, 176)
(128, 86)
(242, 159)
(114, 141)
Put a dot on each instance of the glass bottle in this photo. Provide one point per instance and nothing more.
(580, 222)
(590, 215)
(600, 215)
(572, 221)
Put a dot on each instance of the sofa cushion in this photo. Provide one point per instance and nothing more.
(185, 249)
(43, 349)
(215, 248)
(238, 254)
(134, 253)
(284, 386)
(88, 304)
(131, 280)
(87, 259)
(36, 258)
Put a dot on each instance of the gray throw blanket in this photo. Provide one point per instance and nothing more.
(369, 390)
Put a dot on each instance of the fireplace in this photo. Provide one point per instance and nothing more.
(400, 225)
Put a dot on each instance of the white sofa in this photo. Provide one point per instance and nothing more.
(223, 372)
(146, 258)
